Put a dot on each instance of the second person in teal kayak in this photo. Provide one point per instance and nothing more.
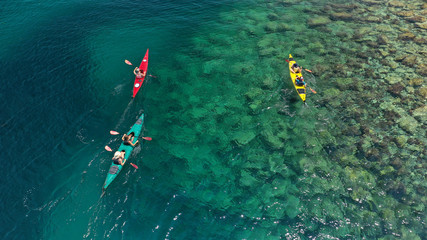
(128, 139)
(119, 158)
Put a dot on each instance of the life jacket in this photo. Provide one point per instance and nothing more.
(299, 82)
(116, 161)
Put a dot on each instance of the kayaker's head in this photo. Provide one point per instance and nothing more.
(116, 155)
(137, 69)
(296, 65)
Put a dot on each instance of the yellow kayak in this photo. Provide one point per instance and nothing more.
(300, 89)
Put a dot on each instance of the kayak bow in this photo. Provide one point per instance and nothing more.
(138, 81)
(300, 89)
(114, 168)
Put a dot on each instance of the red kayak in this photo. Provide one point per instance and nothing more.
(139, 81)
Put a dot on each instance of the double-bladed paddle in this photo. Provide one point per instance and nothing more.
(308, 70)
(117, 133)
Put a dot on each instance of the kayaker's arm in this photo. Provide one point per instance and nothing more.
(133, 144)
(123, 138)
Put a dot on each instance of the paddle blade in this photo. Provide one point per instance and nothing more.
(108, 148)
(308, 70)
(147, 138)
(128, 63)
(133, 165)
(152, 76)
(312, 90)
(114, 132)
(287, 60)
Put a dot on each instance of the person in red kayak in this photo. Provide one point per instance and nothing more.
(296, 68)
(119, 158)
(128, 139)
(138, 73)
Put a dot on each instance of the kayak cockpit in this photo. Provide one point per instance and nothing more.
(113, 169)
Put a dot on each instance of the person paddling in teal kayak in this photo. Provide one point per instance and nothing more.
(138, 73)
(128, 139)
(119, 157)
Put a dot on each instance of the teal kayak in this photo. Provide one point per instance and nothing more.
(116, 168)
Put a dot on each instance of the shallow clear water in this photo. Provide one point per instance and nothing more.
(235, 154)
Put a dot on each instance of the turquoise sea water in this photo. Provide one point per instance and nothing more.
(235, 154)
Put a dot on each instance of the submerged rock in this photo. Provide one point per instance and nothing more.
(318, 21)
(268, 82)
(247, 180)
(396, 89)
(371, 2)
(384, 28)
(408, 124)
(421, 25)
(422, 69)
(420, 113)
(244, 137)
(420, 40)
(410, 60)
(272, 16)
(389, 62)
(405, 13)
(391, 79)
(401, 140)
(346, 7)
(272, 27)
(400, 58)
(423, 92)
(292, 206)
(372, 19)
(382, 39)
(345, 83)
(342, 16)
(396, 163)
(272, 140)
(416, 19)
(406, 36)
(395, 3)
(253, 93)
(416, 82)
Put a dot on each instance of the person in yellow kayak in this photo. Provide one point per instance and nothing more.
(128, 139)
(138, 73)
(119, 157)
(299, 81)
(296, 68)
